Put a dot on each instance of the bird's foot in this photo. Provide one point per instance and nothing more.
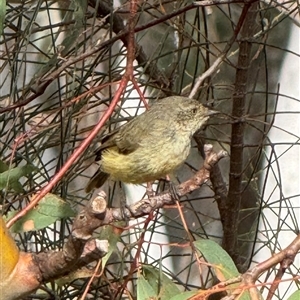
(149, 190)
(173, 191)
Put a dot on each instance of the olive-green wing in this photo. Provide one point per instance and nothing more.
(106, 142)
(126, 138)
(131, 135)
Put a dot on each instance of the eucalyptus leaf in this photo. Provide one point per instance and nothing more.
(11, 177)
(294, 296)
(50, 209)
(165, 288)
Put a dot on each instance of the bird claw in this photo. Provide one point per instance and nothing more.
(174, 191)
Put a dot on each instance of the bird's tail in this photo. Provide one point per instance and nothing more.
(96, 181)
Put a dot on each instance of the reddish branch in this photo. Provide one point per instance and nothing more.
(76, 154)
(247, 281)
(285, 258)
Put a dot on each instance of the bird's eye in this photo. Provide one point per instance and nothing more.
(194, 110)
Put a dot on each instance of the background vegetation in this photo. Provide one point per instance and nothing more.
(65, 64)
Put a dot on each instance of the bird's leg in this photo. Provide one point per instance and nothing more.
(124, 204)
(149, 190)
(173, 189)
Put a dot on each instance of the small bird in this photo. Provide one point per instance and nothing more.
(152, 144)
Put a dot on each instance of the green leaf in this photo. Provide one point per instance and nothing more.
(109, 233)
(54, 206)
(184, 295)
(165, 288)
(50, 209)
(10, 178)
(17, 186)
(221, 262)
(3, 165)
(295, 296)
(145, 290)
(2, 14)
(214, 254)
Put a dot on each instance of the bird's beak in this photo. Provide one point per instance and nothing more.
(211, 112)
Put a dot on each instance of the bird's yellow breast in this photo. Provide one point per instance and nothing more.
(146, 163)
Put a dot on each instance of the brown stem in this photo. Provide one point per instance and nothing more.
(231, 217)
(96, 214)
(285, 258)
